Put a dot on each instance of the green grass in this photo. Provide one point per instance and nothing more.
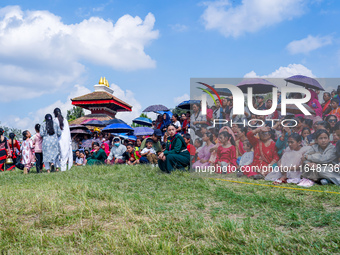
(139, 210)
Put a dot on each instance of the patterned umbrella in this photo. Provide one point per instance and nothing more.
(143, 121)
(155, 108)
(118, 128)
(143, 131)
(260, 86)
(305, 81)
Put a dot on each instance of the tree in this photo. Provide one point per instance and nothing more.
(75, 113)
(16, 131)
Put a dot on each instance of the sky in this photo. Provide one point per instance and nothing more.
(52, 51)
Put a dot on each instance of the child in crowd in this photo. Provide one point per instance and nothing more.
(304, 133)
(204, 154)
(335, 107)
(226, 153)
(27, 151)
(79, 159)
(248, 155)
(190, 147)
(149, 152)
(37, 143)
(134, 155)
(82, 156)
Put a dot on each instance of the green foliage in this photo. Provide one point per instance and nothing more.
(123, 209)
(75, 113)
(8, 130)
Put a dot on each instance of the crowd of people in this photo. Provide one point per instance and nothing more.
(304, 154)
(304, 151)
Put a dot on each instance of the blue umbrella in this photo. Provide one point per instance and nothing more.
(143, 121)
(162, 112)
(95, 123)
(132, 137)
(157, 107)
(125, 136)
(143, 131)
(118, 128)
(186, 104)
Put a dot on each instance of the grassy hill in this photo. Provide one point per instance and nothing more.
(139, 210)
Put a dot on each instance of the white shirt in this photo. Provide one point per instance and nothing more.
(145, 150)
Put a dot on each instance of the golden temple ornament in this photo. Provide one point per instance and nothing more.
(101, 81)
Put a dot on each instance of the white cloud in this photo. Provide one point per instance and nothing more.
(180, 99)
(284, 72)
(39, 115)
(40, 54)
(250, 16)
(179, 27)
(308, 44)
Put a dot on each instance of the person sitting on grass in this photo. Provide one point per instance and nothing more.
(176, 154)
(226, 153)
(319, 160)
(289, 170)
(204, 154)
(265, 153)
(156, 145)
(98, 157)
(134, 155)
(80, 158)
(247, 157)
(190, 147)
(117, 152)
(149, 152)
(27, 151)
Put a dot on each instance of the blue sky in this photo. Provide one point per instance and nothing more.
(159, 47)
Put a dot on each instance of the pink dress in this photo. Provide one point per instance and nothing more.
(204, 153)
(27, 153)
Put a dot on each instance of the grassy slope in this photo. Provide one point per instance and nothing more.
(139, 210)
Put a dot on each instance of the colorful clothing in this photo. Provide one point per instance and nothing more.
(205, 155)
(263, 156)
(227, 155)
(176, 154)
(27, 153)
(4, 152)
(97, 158)
(50, 145)
(335, 112)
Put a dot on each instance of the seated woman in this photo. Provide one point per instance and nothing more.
(289, 166)
(176, 154)
(98, 157)
(226, 154)
(265, 153)
(320, 161)
(204, 153)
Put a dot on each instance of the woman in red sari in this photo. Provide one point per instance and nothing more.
(265, 153)
(5, 151)
(15, 149)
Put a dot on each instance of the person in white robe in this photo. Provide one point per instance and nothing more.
(65, 142)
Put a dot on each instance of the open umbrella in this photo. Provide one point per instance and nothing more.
(118, 128)
(155, 108)
(78, 127)
(95, 123)
(113, 121)
(187, 104)
(292, 108)
(305, 81)
(143, 131)
(260, 86)
(143, 121)
(162, 112)
(221, 91)
(125, 136)
(79, 131)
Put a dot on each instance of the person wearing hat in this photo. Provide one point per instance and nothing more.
(5, 151)
(260, 104)
(156, 138)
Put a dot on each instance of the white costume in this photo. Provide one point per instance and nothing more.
(65, 146)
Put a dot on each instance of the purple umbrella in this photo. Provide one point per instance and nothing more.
(305, 81)
(79, 131)
(155, 108)
(260, 86)
(143, 131)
